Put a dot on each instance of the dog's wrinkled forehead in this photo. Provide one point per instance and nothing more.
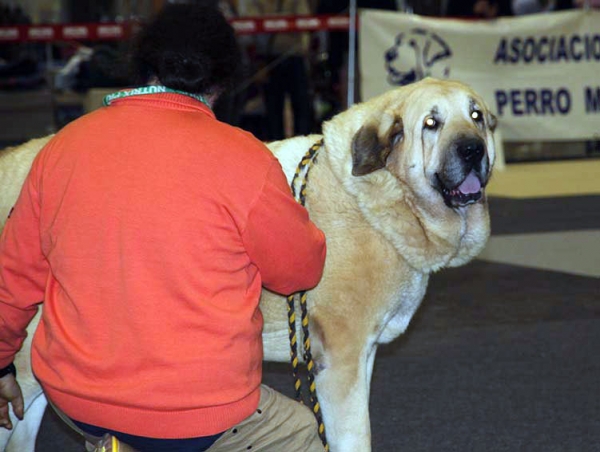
(431, 116)
(441, 104)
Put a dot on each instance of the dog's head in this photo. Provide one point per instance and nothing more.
(437, 133)
(428, 145)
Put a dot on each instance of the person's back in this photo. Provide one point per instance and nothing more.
(144, 228)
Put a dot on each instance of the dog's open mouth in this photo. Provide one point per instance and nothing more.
(467, 192)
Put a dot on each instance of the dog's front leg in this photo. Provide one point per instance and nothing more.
(343, 388)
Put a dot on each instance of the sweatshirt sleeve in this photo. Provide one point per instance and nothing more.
(23, 271)
(288, 249)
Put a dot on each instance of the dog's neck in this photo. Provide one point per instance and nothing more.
(427, 237)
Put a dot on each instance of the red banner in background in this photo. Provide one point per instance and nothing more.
(121, 31)
(68, 32)
(286, 24)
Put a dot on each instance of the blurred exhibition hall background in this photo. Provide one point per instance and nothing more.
(58, 58)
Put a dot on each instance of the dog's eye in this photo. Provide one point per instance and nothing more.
(431, 123)
(477, 116)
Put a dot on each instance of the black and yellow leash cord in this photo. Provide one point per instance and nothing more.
(304, 168)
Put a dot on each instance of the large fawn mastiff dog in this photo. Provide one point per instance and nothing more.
(398, 187)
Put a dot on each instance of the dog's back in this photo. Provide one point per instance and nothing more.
(14, 167)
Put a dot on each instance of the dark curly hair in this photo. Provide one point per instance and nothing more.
(188, 47)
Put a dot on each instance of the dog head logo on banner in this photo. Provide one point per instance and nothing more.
(416, 55)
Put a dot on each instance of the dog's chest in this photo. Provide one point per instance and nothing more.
(403, 305)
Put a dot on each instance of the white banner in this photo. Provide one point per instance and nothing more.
(539, 73)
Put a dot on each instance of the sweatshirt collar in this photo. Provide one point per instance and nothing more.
(151, 89)
(169, 94)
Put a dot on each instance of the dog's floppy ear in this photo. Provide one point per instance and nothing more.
(370, 151)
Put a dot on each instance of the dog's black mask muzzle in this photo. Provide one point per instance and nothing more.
(464, 173)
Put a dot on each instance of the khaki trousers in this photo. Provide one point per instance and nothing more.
(280, 424)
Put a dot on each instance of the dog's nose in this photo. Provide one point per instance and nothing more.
(391, 54)
(471, 149)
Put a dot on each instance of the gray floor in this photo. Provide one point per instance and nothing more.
(502, 356)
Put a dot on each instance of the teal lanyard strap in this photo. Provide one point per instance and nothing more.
(152, 89)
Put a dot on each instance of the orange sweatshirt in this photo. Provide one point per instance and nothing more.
(148, 228)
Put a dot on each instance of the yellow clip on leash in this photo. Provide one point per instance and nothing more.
(305, 164)
(110, 443)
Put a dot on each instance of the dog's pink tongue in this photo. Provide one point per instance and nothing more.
(470, 185)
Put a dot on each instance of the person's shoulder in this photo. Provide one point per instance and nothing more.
(245, 141)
